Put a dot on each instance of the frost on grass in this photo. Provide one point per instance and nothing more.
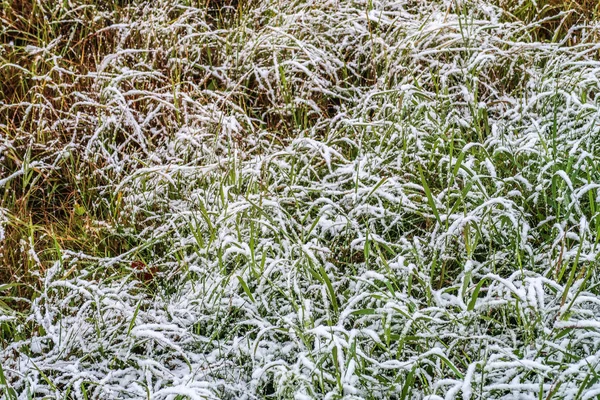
(343, 200)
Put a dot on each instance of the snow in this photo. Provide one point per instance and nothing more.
(315, 205)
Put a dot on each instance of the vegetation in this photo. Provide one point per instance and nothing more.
(352, 199)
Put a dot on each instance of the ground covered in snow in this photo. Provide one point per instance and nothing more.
(298, 200)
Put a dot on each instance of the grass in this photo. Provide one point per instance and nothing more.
(264, 199)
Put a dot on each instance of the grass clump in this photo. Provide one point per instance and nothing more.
(554, 20)
(298, 200)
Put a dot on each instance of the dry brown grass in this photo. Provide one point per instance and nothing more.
(54, 209)
(43, 204)
(555, 18)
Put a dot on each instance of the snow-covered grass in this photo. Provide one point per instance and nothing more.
(299, 199)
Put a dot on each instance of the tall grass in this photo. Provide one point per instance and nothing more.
(273, 199)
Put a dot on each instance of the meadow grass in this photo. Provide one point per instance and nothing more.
(299, 199)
